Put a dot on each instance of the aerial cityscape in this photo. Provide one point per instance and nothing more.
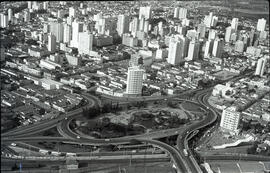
(135, 86)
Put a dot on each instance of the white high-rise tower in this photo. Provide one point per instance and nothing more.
(234, 23)
(122, 24)
(51, 43)
(85, 43)
(134, 81)
(230, 119)
(260, 66)
(76, 28)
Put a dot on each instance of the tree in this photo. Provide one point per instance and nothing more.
(252, 150)
(106, 108)
(106, 121)
(91, 112)
(32, 42)
(228, 92)
(172, 104)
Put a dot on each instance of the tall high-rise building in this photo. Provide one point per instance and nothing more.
(4, 20)
(29, 5)
(10, 15)
(208, 48)
(145, 12)
(176, 12)
(228, 34)
(72, 12)
(134, 81)
(60, 13)
(261, 24)
(182, 13)
(51, 43)
(208, 20)
(45, 5)
(251, 37)
(76, 28)
(85, 43)
(230, 119)
(214, 21)
(100, 25)
(239, 46)
(141, 24)
(134, 26)
(193, 50)
(146, 26)
(122, 24)
(67, 33)
(233, 37)
(182, 30)
(57, 29)
(218, 48)
(26, 16)
(201, 30)
(174, 54)
(260, 66)
(69, 20)
(46, 28)
(234, 24)
(178, 49)
(212, 34)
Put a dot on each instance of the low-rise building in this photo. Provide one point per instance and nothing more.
(50, 84)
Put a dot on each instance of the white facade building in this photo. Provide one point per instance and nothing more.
(51, 43)
(10, 15)
(76, 28)
(134, 80)
(260, 66)
(72, 12)
(85, 43)
(4, 20)
(208, 48)
(67, 33)
(234, 23)
(122, 24)
(174, 54)
(239, 46)
(261, 24)
(218, 48)
(182, 13)
(145, 12)
(228, 34)
(193, 50)
(230, 119)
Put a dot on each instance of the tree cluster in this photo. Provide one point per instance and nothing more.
(172, 104)
(97, 110)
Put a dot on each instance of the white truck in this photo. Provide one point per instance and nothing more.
(71, 154)
(43, 151)
(55, 153)
(185, 152)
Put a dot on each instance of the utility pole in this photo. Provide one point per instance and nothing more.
(130, 159)
(144, 158)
